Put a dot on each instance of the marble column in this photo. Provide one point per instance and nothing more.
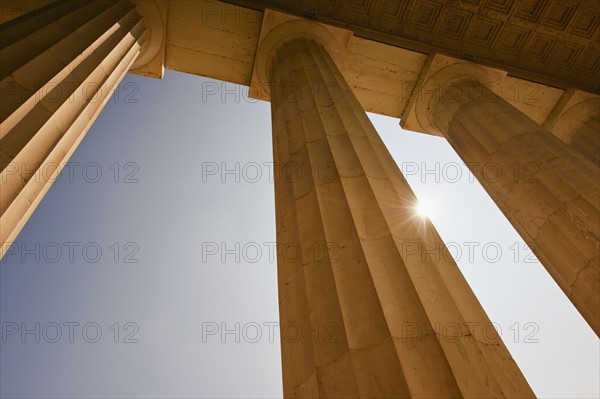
(371, 303)
(548, 190)
(60, 64)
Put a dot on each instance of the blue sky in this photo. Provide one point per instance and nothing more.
(152, 256)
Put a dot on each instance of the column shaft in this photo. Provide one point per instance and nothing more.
(60, 65)
(367, 307)
(547, 189)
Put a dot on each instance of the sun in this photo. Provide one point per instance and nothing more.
(425, 208)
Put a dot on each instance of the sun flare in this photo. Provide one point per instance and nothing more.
(425, 208)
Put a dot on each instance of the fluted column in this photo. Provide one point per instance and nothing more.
(548, 189)
(59, 66)
(368, 307)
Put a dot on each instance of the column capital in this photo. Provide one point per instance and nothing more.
(578, 108)
(277, 29)
(151, 60)
(440, 77)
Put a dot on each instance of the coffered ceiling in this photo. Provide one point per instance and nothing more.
(554, 42)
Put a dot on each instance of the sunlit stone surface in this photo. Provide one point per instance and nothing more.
(378, 316)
